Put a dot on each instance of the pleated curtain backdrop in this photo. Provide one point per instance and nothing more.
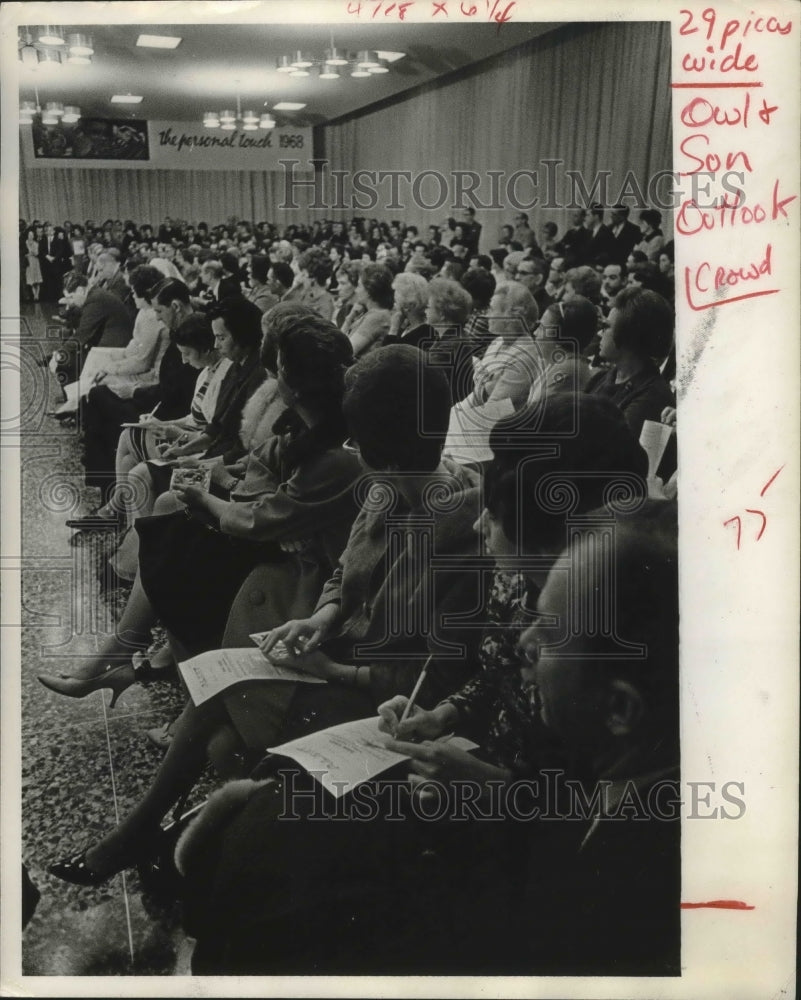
(595, 96)
(211, 196)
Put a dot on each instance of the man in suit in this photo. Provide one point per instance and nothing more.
(574, 244)
(600, 246)
(624, 233)
(110, 278)
(471, 230)
(217, 286)
(103, 321)
(53, 250)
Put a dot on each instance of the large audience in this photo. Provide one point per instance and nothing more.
(275, 420)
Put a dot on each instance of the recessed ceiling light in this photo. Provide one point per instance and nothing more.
(126, 99)
(390, 57)
(158, 41)
(288, 106)
(51, 35)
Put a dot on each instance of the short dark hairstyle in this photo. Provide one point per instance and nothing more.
(595, 450)
(282, 314)
(480, 284)
(377, 280)
(170, 290)
(283, 273)
(314, 356)
(242, 320)
(398, 408)
(499, 255)
(647, 273)
(259, 267)
(144, 280)
(585, 281)
(195, 331)
(73, 280)
(577, 321)
(652, 217)
(644, 322)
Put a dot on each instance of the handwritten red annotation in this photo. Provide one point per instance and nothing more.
(754, 512)
(718, 904)
(495, 10)
(718, 46)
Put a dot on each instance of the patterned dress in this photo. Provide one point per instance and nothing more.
(494, 708)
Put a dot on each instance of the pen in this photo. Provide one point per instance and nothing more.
(415, 692)
(153, 411)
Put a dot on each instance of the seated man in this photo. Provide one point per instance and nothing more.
(611, 906)
(103, 321)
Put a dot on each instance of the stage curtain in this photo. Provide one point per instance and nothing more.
(596, 97)
(149, 195)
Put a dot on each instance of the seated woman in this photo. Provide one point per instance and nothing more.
(637, 334)
(302, 472)
(652, 239)
(237, 335)
(408, 324)
(511, 363)
(368, 324)
(377, 582)
(124, 369)
(386, 907)
(448, 307)
(566, 330)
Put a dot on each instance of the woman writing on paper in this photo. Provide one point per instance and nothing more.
(256, 871)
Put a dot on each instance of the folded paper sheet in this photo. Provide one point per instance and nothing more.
(342, 757)
(210, 673)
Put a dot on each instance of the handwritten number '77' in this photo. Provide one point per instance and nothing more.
(755, 513)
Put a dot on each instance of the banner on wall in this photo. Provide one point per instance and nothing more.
(125, 143)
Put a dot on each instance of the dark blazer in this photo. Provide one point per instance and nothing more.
(641, 398)
(59, 249)
(625, 241)
(104, 321)
(601, 246)
(239, 384)
(573, 246)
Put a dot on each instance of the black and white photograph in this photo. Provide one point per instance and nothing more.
(399, 499)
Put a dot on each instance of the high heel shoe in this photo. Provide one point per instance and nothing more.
(77, 871)
(119, 679)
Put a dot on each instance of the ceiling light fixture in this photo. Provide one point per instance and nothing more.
(48, 57)
(229, 119)
(366, 60)
(51, 35)
(335, 57)
(288, 106)
(158, 41)
(362, 64)
(80, 45)
(54, 111)
(126, 99)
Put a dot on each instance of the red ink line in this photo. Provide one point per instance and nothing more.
(721, 86)
(764, 489)
(718, 904)
(722, 302)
